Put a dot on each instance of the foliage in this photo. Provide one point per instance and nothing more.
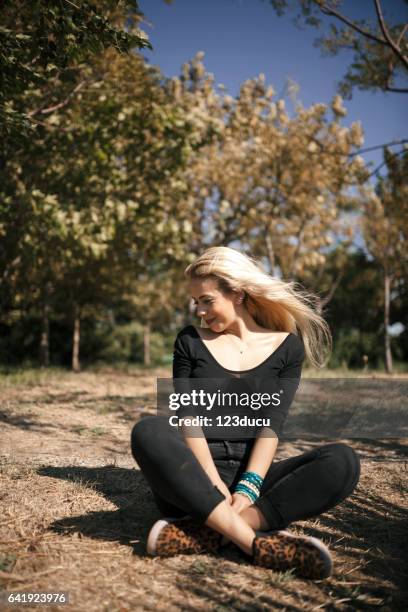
(275, 182)
(385, 224)
(380, 50)
(85, 201)
(126, 176)
(124, 343)
(45, 44)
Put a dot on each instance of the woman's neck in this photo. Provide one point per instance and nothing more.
(244, 327)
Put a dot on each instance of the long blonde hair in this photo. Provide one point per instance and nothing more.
(273, 303)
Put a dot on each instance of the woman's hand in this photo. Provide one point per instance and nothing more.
(240, 502)
(220, 484)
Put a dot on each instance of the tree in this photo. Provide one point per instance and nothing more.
(355, 310)
(45, 49)
(380, 59)
(44, 44)
(91, 201)
(385, 229)
(278, 184)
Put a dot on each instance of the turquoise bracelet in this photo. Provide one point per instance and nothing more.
(241, 488)
(253, 477)
(251, 499)
(250, 485)
(256, 483)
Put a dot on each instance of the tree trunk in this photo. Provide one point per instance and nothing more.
(76, 337)
(146, 344)
(45, 337)
(269, 250)
(324, 301)
(387, 340)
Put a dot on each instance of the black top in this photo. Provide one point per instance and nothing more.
(281, 370)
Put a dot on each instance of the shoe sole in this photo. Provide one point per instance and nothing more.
(154, 534)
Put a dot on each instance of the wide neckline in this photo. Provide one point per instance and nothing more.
(239, 371)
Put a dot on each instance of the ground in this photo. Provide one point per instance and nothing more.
(76, 511)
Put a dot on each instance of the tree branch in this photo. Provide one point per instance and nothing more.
(383, 164)
(387, 36)
(381, 146)
(397, 89)
(59, 128)
(401, 36)
(72, 4)
(51, 109)
(390, 69)
(324, 301)
(328, 10)
(298, 245)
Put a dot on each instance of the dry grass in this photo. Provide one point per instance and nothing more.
(76, 512)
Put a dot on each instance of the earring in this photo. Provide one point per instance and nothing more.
(240, 300)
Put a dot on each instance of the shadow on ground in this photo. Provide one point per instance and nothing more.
(368, 534)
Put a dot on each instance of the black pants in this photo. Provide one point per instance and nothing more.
(294, 489)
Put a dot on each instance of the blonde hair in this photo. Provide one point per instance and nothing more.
(273, 303)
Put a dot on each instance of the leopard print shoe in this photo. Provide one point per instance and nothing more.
(282, 550)
(181, 536)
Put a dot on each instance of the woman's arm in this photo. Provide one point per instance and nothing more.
(264, 448)
(201, 451)
(182, 367)
(260, 459)
(262, 454)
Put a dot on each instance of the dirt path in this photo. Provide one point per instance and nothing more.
(76, 511)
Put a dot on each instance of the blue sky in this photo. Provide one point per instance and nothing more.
(243, 38)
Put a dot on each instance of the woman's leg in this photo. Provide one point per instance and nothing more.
(171, 468)
(304, 486)
(166, 508)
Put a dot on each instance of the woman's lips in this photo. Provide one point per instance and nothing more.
(209, 321)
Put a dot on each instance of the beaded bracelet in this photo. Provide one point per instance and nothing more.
(250, 485)
(243, 491)
(245, 487)
(253, 477)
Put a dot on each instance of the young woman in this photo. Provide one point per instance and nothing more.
(215, 491)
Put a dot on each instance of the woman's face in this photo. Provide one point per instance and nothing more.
(216, 308)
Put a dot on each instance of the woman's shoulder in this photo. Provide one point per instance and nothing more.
(296, 347)
(187, 330)
(185, 334)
